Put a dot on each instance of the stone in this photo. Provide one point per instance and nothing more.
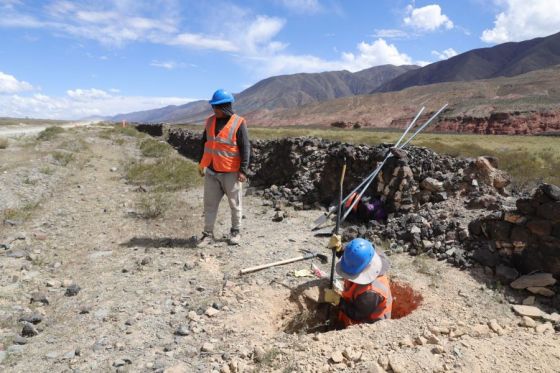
(19, 340)
(146, 260)
(528, 322)
(17, 254)
(420, 341)
(182, 331)
(431, 185)
(383, 361)
(207, 347)
(529, 301)
(529, 311)
(549, 211)
(534, 280)
(177, 368)
(259, 354)
(279, 216)
(35, 318)
(53, 284)
(540, 227)
(373, 367)
(406, 342)
(337, 357)
(119, 363)
(72, 290)
(29, 330)
(506, 274)
(551, 191)
(496, 328)
(543, 328)
(211, 312)
(351, 354)
(438, 350)
(545, 292)
(39, 297)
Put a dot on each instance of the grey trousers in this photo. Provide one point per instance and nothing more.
(215, 186)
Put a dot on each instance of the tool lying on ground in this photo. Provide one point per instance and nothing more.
(308, 255)
(369, 179)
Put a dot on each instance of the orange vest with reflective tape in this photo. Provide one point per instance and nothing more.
(221, 150)
(350, 200)
(381, 287)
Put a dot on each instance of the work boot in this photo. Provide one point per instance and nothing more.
(234, 237)
(205, 240)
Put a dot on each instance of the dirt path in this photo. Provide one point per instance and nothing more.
(149, 301)
(29, 130)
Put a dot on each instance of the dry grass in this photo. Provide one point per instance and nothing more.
(169, 173)
(50, 133)
(20, 214)
(63, 158)
(154, 148)
(152, 205)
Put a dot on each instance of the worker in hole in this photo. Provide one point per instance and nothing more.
(366, 293)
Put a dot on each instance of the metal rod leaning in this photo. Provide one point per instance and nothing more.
(378, 169)
(324, 217)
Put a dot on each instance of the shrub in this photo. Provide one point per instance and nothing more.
(165, 174)
(152, 205)
(50, 133)
(63, 157)
(4, 143)
(153, 148)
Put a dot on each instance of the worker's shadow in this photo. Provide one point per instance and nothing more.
(150, 242)
(313, 314)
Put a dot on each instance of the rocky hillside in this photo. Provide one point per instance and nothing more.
(285, 91)
(524, 104)
(508, 59)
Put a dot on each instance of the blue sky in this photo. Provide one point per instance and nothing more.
(73, 59)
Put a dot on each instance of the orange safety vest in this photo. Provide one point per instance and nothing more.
(350, 200)
(381, 287)
(221, 150)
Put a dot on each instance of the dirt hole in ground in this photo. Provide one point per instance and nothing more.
(307, 315)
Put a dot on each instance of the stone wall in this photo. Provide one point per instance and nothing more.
(527, 237)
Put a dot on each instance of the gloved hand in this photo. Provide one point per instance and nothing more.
(332, 297)
(335, 243)
(201, 171)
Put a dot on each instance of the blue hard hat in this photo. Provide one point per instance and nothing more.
(358, 253)
(221, 97)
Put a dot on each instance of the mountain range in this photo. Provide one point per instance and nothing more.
(295, 94)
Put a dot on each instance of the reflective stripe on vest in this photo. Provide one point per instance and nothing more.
(351, 200)
(381, 287)
(221, 150)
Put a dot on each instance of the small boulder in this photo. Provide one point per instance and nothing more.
(534, 280)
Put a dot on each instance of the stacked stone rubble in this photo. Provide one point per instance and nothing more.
(528, 237)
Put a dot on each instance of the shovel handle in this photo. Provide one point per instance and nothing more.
(278, 263)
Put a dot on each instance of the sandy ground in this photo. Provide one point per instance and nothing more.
(150, 301)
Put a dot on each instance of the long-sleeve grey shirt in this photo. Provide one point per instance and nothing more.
(242, 139)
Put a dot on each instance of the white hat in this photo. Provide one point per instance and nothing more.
(368, 274)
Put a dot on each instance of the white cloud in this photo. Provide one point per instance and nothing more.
(170, 64)
(9, 84)
(87, 94)
(302, 6)
(427, 18)
(202, 42)
(390, 33)
(446, 54)
(524, 19)
(80, 103)
(377, 53)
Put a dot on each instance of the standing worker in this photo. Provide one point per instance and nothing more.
(366, 297)
(224, 163)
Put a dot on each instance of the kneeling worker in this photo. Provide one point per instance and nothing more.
(366, 297)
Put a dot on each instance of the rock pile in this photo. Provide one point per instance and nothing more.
(527, 236)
